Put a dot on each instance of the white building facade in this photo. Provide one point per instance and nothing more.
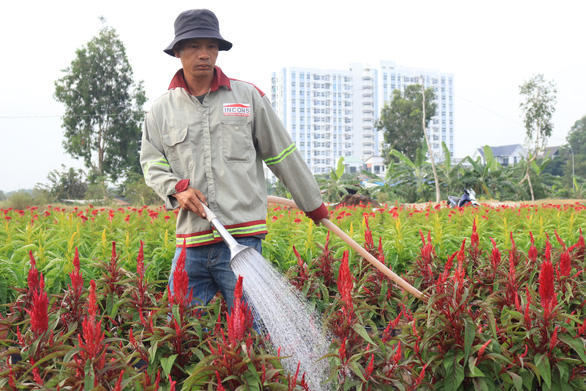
(332, 113)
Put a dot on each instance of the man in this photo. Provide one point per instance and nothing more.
(205, 141)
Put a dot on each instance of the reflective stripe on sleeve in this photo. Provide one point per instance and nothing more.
(282, 155)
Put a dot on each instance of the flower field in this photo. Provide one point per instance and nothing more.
(85, 303)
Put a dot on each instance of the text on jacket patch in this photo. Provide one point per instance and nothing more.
(237, 109)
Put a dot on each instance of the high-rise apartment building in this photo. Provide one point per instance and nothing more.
(332, 113)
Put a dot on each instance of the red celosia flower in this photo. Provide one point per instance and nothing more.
(11, 378)
(118, 386)
(140, 261)
(91, 338)
(546, 288)
(398, 355)
(240, 319)
(34, 279)
(293, 382)
(560, 241)
(495, 256)
(370, 367)
(342, 351)
(565, 265)
(554, 339)
(368, 241)
(483, 347)
(532, 253)
(180, 294)
(38, 312)
(345, 284)
(220, 386)
(76, 276)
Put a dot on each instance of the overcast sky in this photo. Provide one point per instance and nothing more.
(490, 47)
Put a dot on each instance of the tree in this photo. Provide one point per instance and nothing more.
(537, 107)
(576, 139)
(69, 184)
(401, 120)
(103, 107)
(336, 184)
(412, 177)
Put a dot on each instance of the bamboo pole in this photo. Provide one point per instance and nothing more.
(360, 250)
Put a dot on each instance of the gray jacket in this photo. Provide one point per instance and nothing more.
(219, 146)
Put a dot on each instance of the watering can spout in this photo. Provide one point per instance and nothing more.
(235, 247)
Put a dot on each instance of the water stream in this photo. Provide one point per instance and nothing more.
(286, 318)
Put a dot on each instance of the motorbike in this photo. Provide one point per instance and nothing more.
(468, 199)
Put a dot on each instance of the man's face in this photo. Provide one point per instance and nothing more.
(198, 56)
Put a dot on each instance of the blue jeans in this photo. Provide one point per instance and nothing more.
(208, 268)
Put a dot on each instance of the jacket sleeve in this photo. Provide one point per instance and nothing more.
(282, 157)
(156, 169)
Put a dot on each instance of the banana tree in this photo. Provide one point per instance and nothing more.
(414, 177)
(336, 185)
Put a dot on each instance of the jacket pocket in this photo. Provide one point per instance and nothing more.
(237, 144)
(179, 150)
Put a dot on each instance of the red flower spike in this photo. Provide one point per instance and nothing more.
(240, 320)
(483, 348)
(546, 288)
(554, 339)
(345, 284)
(474, 239)
(495, 256)
(398, 355)
(293, 381)
(33, 275)
(368, 241)
(92, 302)
(181, 294)
(172, 384)
(38, 313)
(11, 378)
(140, 261)
(565, 265)
(220, 386)
(370, 367)
(118, 386)
(560, 241)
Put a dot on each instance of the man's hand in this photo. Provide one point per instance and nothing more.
(191, 199)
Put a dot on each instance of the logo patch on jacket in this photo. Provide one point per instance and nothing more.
(237, 109)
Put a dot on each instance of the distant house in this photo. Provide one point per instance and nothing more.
(353, 165)
(550, 152)
(376, 165)
(505, 154)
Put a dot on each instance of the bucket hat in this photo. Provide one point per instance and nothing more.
(198, 23)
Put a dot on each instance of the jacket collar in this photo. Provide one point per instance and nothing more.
(219, 80)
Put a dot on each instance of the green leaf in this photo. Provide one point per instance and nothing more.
(357, 369)
(576, 344)
(167, 363)
(89, 376)
(474, 370)
(469, 333)
(542, 363)
(517, 381)
(454, 371)
(359, 328)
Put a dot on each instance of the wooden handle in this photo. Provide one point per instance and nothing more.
(365, 254)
